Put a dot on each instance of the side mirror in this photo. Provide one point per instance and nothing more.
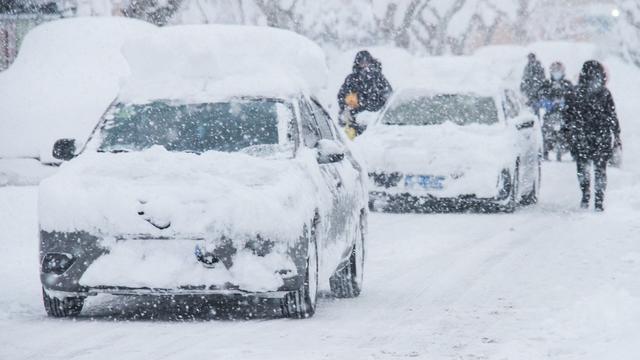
(329, 151)
(64, 149)
(523, 122)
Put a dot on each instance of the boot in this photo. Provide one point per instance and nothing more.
(599, 202)
(584, 203)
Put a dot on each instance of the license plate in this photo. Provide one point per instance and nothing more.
(427, 182)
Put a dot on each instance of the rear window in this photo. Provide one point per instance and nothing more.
(434, 110)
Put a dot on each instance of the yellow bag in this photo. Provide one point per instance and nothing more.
(351, 132)
(347, 119)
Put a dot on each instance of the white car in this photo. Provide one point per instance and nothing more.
(440, 150)
(206, 176)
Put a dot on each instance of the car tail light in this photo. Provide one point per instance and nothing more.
(57, 263)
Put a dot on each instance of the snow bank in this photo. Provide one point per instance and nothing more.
(205, 61)
(66, 75)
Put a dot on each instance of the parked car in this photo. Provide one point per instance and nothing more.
(453, 147)
(199, 187)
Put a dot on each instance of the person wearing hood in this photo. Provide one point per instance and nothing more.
(554, 93)
(593, 130)
(533, 80)
(364, 89)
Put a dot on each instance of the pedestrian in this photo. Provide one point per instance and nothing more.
(593, 130)
(533, 79)
(554, 94)
(364, 89)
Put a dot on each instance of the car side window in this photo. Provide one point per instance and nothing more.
(511, 108)
(323, 119)
(310, 132)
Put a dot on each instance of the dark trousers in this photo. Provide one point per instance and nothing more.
(584, 178)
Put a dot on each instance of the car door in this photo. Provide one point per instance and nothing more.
(334, 225)
(346, 177)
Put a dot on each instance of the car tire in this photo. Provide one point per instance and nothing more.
(532, 197)
(513, 192)
(301, 303)
(65, 307)
(347, 281)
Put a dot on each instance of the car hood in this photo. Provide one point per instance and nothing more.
(437, 150)
(162, 193)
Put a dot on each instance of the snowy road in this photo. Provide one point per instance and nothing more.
(545, 282)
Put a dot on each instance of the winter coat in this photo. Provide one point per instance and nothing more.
(590, 116)
(369, 84)
(533, 80)
(554, 94)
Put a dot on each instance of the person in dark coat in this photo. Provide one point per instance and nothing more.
(554, 94)
(364, 89)
(533, 80)
(593, 130)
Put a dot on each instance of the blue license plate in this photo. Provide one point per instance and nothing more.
(427, 182)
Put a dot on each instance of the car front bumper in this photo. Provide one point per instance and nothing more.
(127, 267)
(407, 202)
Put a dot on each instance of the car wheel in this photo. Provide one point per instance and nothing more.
(65, 307)
(513, 191)
(347, 281)
(532, 197)
(301, 304)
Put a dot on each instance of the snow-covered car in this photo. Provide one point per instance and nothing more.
(228, 179)
(451, 148)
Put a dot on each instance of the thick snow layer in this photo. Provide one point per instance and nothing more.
(470, 158)
(66, 75)
(193, 200)
(213, 194)
(169, 264)
(213, 61)
(23, 171)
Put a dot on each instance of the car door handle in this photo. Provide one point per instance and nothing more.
(338, 184)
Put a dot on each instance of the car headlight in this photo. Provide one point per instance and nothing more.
(57, 263)
(385, 180)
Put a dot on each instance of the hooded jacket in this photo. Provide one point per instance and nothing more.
(533, 80)
(591, 121)
(372, 88)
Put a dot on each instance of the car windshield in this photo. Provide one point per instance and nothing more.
(239, 125)
(434, 110)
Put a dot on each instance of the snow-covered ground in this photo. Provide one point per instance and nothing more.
(546, 282)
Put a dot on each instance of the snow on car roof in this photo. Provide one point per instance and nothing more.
(205, 61)
(437, 73)
(67, 73)
(454, 74)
